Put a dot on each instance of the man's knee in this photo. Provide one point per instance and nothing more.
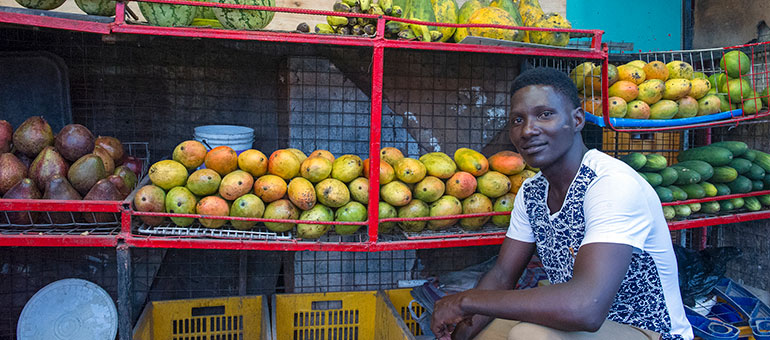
(531, 331)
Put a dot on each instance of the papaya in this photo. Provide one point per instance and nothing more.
(463, 15)
(513, 10)
(446, 12)
(492, 15)
(551, 20)
(421, 10)
(530, 12)
(581, 75)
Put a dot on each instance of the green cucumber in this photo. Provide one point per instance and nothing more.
(704, 169)
(726, 206)
(752, 204)
(653, 178)
(737, 202)
(669, 175)
(694, 190)
(749, 155)
(695, 207)
(724, 174)
(679, 194)
(635, 160)
(757, 185)
(655, 162)
(683, 210)
(709, 189)
(722, 189)
(763, 160)
(710, 207)
(686, 176)
(669, 213)
(741, 165)
(740, 185)
(755, 172)
(714, 155)
(736, 147)
(664, 194)
(764, 199)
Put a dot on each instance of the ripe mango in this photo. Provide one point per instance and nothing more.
(236, 184)
(429, 189)
(476, 203)
(503, 203)
(204, 182)
(637, 63)
(438, 164)
(656, 70)
(323, 153)
(359, 190)
(631, 73)
(596, 78)
(165, 174)
(677, 88)
(518, 179)
(688, 107)
(493, 184)
(179, 200)
(592, 105)
(507, 162)
(315, 168)
(332, 193)
(299, 154)
(248, 205)
(618, 107)
(302, 193)
(624, 89)
(221, 159)
(396, 194)
(678, 69)
(189, 153)
(351, 212)
(637, 109)
(471, 161)
(390, 155)
(581, 75)
(664, 109)
(280, 209)
(150, 198)
(386, 211)
(212, 206)
(700, 87)
(461, 185)
(444, 206)
(313, 231)
(254, 162)
(415, 208)
(347, 167)
(387, 174)
(651, 91)
(270, 188)
(283, 163)
(409, 170)
(709, 104)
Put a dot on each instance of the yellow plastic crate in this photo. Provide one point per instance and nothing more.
(339, 315)
(400, 299)
(243, 317)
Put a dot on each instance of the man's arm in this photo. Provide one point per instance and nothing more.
(513, 258)
(581, 304)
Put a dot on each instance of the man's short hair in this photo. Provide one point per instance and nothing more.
(549, 77)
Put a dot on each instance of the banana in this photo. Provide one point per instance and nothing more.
(406, 34)
(303, 27)
(336, 21)
(370, 30)
(436, 35)
(350, 3)
(396, 11)
(365, 4)
(376, 10)
(344, 30)
(421, 32)
(324, 29)
(387, 6)
(357, 30)
(393, 27)
(341, 7)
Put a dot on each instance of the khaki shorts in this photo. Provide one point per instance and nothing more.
(500, 329)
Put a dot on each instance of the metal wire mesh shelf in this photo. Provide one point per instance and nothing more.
(452, 232)
(225, 232)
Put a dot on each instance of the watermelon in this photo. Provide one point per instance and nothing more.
(97, 7)
(168, 15)
(40, 4)
(244, 19)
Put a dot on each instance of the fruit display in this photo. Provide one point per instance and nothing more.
(71, 165)
(290, 185)
(497, 12)
(658, 90)
(718, 169)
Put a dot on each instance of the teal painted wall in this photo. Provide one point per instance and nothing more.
(653, 25)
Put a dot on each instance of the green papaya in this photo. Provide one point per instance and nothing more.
(513, 10)
(464, 14)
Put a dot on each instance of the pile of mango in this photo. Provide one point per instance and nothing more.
(658, 90)
(718, 169)
(500, 12)
(321, 187)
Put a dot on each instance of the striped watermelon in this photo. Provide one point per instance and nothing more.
(97, 7)
(40, 4)
(168, 15)
(244, 19)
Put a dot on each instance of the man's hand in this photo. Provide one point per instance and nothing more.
(447, 313)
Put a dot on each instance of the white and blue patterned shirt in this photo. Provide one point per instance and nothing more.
(608, 202)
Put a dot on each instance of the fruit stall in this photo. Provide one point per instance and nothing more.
(371, 146)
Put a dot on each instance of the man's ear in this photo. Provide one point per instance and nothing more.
(579, 116)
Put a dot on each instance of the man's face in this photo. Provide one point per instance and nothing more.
(543, 124)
